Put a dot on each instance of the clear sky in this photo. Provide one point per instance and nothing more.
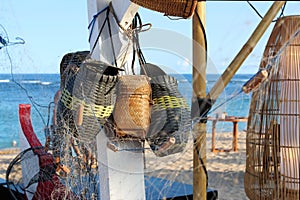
(52, 28)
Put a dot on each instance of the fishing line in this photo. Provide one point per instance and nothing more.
(174, 18)
(256, 11)
(31, 99)
(205, 40)
(5, 41)
(226, 101)
(268, 67)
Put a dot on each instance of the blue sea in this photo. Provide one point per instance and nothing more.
(39, 90)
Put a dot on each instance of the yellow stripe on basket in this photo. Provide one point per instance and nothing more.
(165, 102)
(72, 102)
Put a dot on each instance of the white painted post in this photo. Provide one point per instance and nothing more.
(121, 173)
(125, 11)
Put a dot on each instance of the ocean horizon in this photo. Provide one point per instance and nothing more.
(39, 90)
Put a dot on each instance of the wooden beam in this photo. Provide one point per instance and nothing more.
(199, 89)
(245, 51)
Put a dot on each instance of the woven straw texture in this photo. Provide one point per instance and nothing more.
(272, 165)
(132, 110)
(89, 96)
(169, 115)
(180, 8)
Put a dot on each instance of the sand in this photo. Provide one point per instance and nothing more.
(6, 156)
(225, 169)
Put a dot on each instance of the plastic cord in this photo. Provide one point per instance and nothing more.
(256, 11)
(92, 23)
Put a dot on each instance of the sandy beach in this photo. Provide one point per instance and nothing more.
(6, 156)
(225, 169)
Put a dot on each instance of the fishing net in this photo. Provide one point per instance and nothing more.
(272, 165)
(85, 104)
(114, 135)
(31, 175)
(14, 175)
(170, 113)
(73, 169)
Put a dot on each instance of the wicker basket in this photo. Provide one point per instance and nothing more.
(180, 8)
(273, 149)
(169, 116)
(132, 110)
(88, 100)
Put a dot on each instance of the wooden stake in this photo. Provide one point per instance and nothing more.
(245, 51)
(79, 117)
(199, 88)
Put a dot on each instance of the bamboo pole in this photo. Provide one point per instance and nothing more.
(199, 88)
(245, 51)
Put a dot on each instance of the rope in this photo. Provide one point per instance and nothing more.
(137, 27)
(112, 42)
(204, 33)
(256, 11)
(5, 41)
(100, 31)
(92, 23)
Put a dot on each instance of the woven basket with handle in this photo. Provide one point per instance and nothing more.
(179, 8)
(90, 95)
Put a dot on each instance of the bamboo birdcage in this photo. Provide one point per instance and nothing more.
(179, 8)
(272, 164)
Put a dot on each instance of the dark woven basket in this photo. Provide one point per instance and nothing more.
(169, 117)
(70, 64)
(132, 110)
(180, 8)
(89, 96)
(69, 67)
